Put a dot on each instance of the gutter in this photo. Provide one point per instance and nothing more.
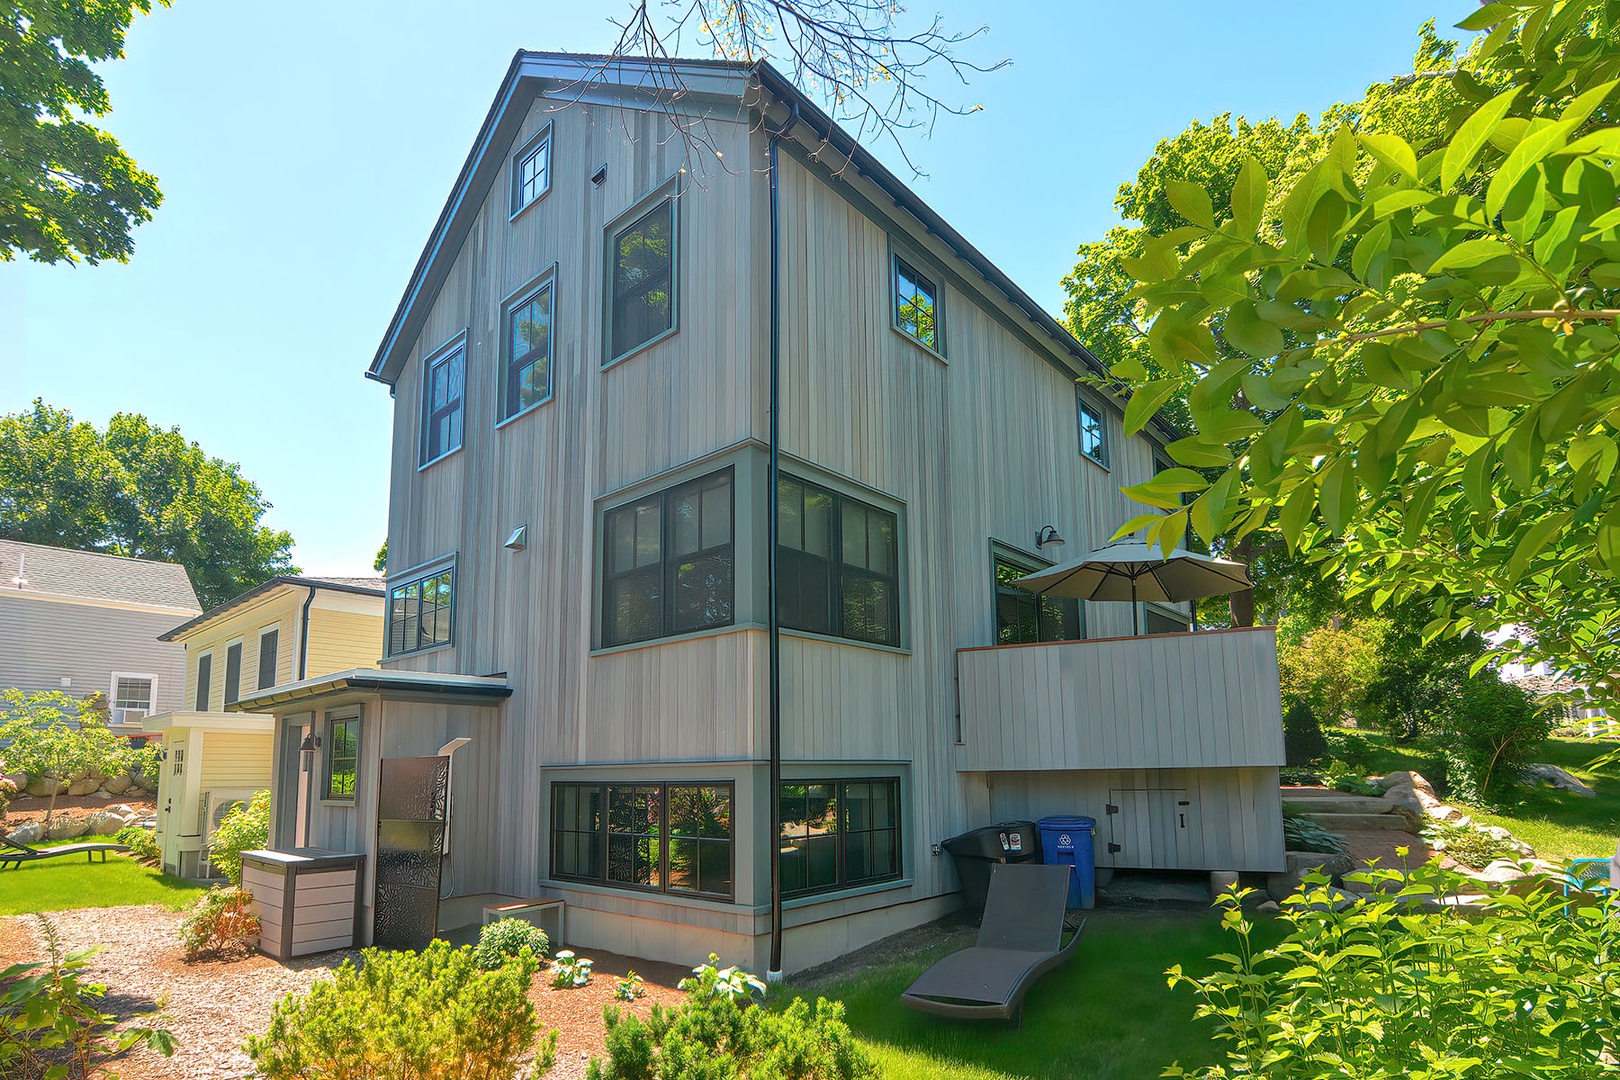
(303, 635)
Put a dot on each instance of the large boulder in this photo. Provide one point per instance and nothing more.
(1559, 778)
(116, 785)
(29, 832)
(1508, 840)
(67, 828)
(1296, 864)
(43, 787)
(84, 786)
(107, 822)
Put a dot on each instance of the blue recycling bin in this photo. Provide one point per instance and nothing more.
(1066, 839)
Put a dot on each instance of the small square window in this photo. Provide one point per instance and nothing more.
(1093, 430)
(916, 305)
(531, 171)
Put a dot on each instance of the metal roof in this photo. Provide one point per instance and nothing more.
(364, 586)
(411, 685)
(69, 574)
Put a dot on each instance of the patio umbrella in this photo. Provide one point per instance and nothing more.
(1131, 572)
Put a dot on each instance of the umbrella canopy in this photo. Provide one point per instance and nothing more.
(1131, 572)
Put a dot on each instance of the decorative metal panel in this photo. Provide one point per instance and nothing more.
(411, 803)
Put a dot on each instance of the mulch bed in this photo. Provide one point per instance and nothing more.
(28, 808)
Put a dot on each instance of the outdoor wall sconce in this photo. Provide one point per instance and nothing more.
(1045, 535)
(519, 538)
(306, 750)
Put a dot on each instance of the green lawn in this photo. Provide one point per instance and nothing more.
(69, 882)
(1107, 1015)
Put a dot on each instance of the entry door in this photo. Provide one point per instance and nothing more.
(1151, 828)
(411, 801)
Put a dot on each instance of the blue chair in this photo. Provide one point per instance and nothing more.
(1589, 875)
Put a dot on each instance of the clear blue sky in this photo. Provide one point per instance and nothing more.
(304, 151)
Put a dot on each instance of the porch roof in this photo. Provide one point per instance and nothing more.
(239, 722)
(390, 685)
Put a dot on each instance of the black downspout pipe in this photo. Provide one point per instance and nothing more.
(774, 791)
(303, 636)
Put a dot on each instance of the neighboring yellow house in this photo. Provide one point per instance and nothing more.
(287, 629)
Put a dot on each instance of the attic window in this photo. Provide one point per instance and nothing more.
(531, 171)
(916, 305)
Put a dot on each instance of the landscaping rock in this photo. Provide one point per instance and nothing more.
(116, 785)
(1444, 812)
(84, 786)
(66, 828)
(1407, 778)
(1559, 778)
(1270, 907)
(29, 832)
(43, 787)
(1299, 863)
(1508, 840)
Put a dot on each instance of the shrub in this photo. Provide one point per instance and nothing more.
(245, 828)
(1304, 834)
(429, 1015)
(220, 923)
(1491, 735)
(569, 971)
(51, 1023)
(1302, 735)
(1472, 847)
(1298, 775)
(503, 939)
(142, 843)
(629, 988)
(719, 1032)
(8, 791)
(1380, 989)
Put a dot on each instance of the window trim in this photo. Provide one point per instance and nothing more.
(417, 574)
(919, 267)
(840, 493)
(328, 745)
(258, 671)
(843, 886)
(112, 692)
(663, 787)
(429, 362)
(515, 173)
(207, 698)
(604, 574)
(1001, 551)
(546, 278)
(1086, 402)
(672, 190)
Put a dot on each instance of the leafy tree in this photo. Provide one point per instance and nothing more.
(1332, 668)
(50, 734)
(67, 189)
(1399, 350)
(380, 563)
(137, 490)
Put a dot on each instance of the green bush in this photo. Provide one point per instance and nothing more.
(1492, 733)
(719, 1032)
(51, 1023)
(1303, 742)
(1301, 833)
(142, 843)
(221, 922)
(1381, 989)
(429, 1015)
(245, 828)
(1472, 847)
(503, 939)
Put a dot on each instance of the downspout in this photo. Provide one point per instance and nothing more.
(303, 636)
(774, 791)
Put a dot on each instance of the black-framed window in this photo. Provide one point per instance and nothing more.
(1156, 620)
(1093, 421)
(531, 171)
(662, 837)
(668, 560)
(441, 404)
(916, 305)
(641, 301)
(205, 674)
(837, 834)
(421, 612)
(269, 645)
(233, 671)
(1022, 616)
(528, 352)
(838, 564)
(342, 757)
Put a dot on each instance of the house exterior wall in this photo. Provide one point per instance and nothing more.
(44, 640)
(344, 632)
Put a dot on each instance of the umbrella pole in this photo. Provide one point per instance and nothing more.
(1136, 615)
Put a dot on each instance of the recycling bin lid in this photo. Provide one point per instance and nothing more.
(1067, 821)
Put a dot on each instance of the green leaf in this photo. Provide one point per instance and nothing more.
(1199, 454)
(1605, 275)
(1608, 539)
(1476, 477)
(1146, 401)
(1470, 253)
(1249, 196)
(1338, 498)
(1534, 539)
(1472, 136)
(1532, 148)
(1165, 489)
(1393, 151)
(1211, 511)
(1191, 201)
(1296, 512)
(1369, 247)
(1523, 449)
(1250, 334)
(1140, 521)
(1488, 16)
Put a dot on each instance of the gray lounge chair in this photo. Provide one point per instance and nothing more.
(15, 854)
(1020, 939)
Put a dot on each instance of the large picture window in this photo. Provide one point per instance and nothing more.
(668, 562)
(641, 301)
(442, 392)
(1022, 616)
(528, 352)
(837, 564)
(837, 834)
(663, 837)
(342, 757)
(916, 305)
(421, 612)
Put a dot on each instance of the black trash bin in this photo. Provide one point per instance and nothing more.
(975, 852)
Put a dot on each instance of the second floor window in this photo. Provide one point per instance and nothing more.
(205, 672)
(641, 304)
(1023, 617)
(441, 404)
(916, 305)
(837, 565)
(531, 171)
(668, 562)
(420, 612)
(528, 352)
(269, 645)
(233, 672)
(1093, 429)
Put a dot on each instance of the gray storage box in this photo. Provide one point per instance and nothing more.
(305, 899)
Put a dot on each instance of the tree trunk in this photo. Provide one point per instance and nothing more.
(1241, 604)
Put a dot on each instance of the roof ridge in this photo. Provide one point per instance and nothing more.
(86, 551)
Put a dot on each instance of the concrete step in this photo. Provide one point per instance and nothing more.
(1340, 804)
(1352, 822)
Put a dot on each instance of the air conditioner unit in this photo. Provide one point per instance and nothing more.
(216, 803)
(129, 716)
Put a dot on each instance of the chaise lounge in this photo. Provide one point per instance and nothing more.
(15, 854)
(1020, 939)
